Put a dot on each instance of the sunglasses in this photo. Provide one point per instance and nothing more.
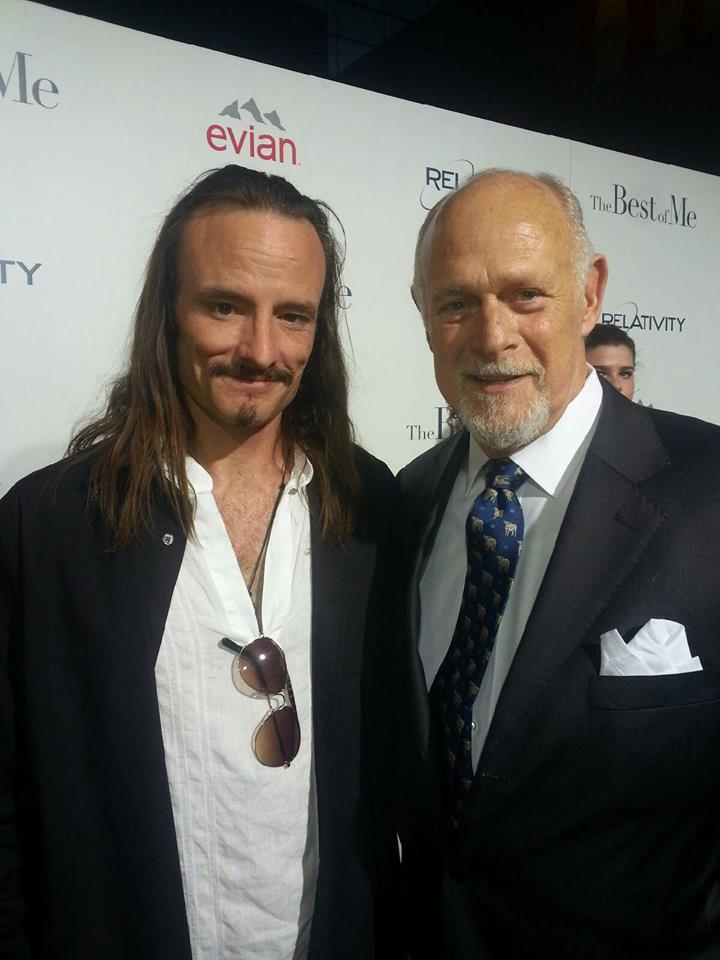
(259, 670)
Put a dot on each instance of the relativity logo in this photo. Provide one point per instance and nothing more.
(17, 85)
(440, 181)
(17, 273)
(674, 211)
(244, 139)
(630, 317)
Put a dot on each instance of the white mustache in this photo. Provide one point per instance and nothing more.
(495, 369)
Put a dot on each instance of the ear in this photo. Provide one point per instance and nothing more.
(594, 290)
(420, 311)
(429, 341)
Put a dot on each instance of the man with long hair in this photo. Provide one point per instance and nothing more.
(190, 614)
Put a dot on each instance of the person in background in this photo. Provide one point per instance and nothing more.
(612, 352)
(187, 622)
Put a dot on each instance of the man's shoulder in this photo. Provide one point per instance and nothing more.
(687, 443)
(56, 483)
(428, 465)
(376, 502)
(684, 437)
(46, 506)
(372, 471)
(644, 442)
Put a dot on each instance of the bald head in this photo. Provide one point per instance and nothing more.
(516, 184)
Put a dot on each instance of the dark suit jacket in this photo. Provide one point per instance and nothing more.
(592, 828)
(88, 856)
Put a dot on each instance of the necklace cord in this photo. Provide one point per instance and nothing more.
(266, 540)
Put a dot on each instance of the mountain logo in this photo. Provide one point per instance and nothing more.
(246, 141)
(233, 110)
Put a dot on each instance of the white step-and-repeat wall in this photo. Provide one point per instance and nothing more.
(101, 128)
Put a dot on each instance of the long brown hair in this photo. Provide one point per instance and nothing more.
(138, 445)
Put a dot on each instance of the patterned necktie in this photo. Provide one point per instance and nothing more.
(494, 533)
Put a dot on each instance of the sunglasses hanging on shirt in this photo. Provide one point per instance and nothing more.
(259, 670)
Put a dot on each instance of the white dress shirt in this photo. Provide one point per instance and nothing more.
(247, 834)
(552, 464)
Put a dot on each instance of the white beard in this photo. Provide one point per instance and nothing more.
(487, 417)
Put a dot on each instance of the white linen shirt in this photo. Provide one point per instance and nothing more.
(552, 464)
(247, 834)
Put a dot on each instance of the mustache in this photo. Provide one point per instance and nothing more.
(503, 368)
(246, 370)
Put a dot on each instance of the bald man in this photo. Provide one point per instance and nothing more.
(559, 782)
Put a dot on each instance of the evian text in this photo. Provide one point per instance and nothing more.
(247, 142)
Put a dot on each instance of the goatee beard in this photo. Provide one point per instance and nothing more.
(489, 418)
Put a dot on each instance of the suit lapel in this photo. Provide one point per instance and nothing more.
(330, 583)
(424, 515)
(134, 589)
(608, 525)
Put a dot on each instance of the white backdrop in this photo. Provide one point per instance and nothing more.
(101, 127)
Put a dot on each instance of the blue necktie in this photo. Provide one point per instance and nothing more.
(494, 532)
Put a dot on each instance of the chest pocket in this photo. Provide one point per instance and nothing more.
(654, 739)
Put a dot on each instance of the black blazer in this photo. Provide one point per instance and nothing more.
(592, 827)
(89, 866)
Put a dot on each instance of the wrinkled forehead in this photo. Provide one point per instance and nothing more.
(507, 212)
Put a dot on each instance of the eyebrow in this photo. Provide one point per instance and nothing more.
(531, 279)
(223, 294)
(454, 291)
(217, 293)
(298, 306)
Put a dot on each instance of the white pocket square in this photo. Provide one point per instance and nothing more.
(659, 647)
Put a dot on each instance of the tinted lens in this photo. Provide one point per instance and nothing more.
(262, 666)
(277, 739)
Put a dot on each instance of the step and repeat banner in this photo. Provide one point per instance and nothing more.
(102, 127)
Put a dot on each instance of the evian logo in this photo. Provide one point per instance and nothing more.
(244, 140)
